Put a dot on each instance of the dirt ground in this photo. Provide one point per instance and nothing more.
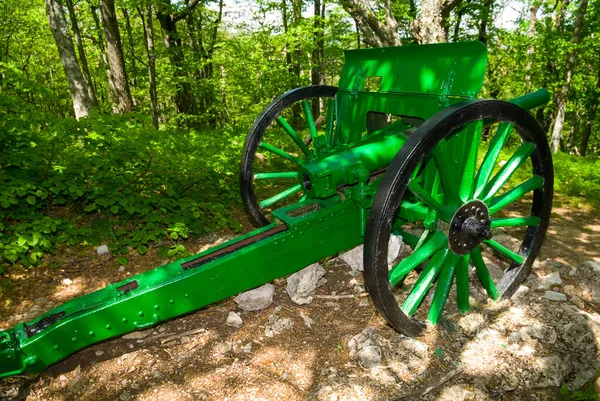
(519, 349)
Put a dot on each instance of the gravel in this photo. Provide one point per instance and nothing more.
(256, 299)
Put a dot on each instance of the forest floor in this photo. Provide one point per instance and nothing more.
(525, 348)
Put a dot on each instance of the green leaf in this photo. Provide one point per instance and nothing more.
(114, 209)
(122, 260)
(30, 200)
(142, 249)
(91, 208)
(174, 235)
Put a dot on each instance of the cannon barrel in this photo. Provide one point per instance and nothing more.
(532, 100)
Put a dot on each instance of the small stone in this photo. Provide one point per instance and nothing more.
(224, 347)
(363, 302)
(322, 281)
(334, 305)
(515, 337)
(99, 352)
(234, 320)
(520, 293)
(256, 299)
(40, 301)
(354, 257)
(161, 329)
(276, 324)
(569, 290)
(471, 323)
(596, 294)
(555, 296)
(549, 280)
(590, 265)
(308, 322)
(121, 268)
(185, 339)
(366, 348)
(136, 335)
(102, 250)
(302, 284)
(575, 300)
(247, 349)
(358, 289)
(67, 281)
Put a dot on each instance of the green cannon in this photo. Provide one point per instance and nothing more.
(400, 147)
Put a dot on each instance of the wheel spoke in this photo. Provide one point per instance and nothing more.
(530, 221)
(418, 190)
(489, 161)
(462, 284)
(310, 121)
(520, 156)
(515, 257)
(472, 139)
(436, 242)
(449, 182)
(329, 122)
(295, 137)
(420, 288)
(408, 238)
(515, 194)
(271, 176)
(483, 273)
(281, 153)
(280, 196)
(442, 289)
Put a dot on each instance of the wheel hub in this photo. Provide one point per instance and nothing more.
(469, 227)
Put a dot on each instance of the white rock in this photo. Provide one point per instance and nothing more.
(520, 293)
(67, 281)
(575, 300)
(102, 250)
(121, 268)
(234, 320)
(363, 302)
(555, 296)
(308, 322)
(99, 352)
(136, 335)
(247, 348)
(256, 299)
(569, 290)
(276, 324)
(354, 257)
(302, 284)
(596, 294)
(546, 282)
(365, 347)
(590, 265)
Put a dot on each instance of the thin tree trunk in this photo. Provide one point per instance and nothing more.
(58, 25)
(116, 62)
(486, 12)
(130, 45)
(375, 33)
(591, 117)
(561, 101)
(531, 35)
(100, 43)
(286, 27)
(146, 18)
(316, 72)
(82, 57)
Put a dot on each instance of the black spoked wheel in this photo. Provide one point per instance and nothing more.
(475, 202)
(287, 134)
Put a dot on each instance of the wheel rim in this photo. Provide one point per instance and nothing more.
(271, 178)
(465, 195)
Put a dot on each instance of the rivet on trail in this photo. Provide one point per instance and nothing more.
(108, 327)
(156, 307)
(92, 334)
(124, 320)
(141, 313)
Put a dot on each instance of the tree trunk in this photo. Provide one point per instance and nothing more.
(82, 57)
(146, 18)
(116, 62)
(591, 117)
(130, 45)
(100, 43)
(375, 33)
(58, 25)
(316, 72)
(486, 12)
(531, 35)
(561, 100)
(432, 26)
(184, 100)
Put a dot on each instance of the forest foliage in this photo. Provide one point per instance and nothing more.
(167, 91)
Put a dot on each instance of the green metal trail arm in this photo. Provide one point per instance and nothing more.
(181, 287)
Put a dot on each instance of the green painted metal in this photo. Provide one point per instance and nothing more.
(442, 288)
(292, 134)
(281, 153)
(483, 273)
(530, 221)
(515, 194)
(271, 176)
(408, 84)
(521, 156)
(515, 257)
(424, 281)
(280, 196)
